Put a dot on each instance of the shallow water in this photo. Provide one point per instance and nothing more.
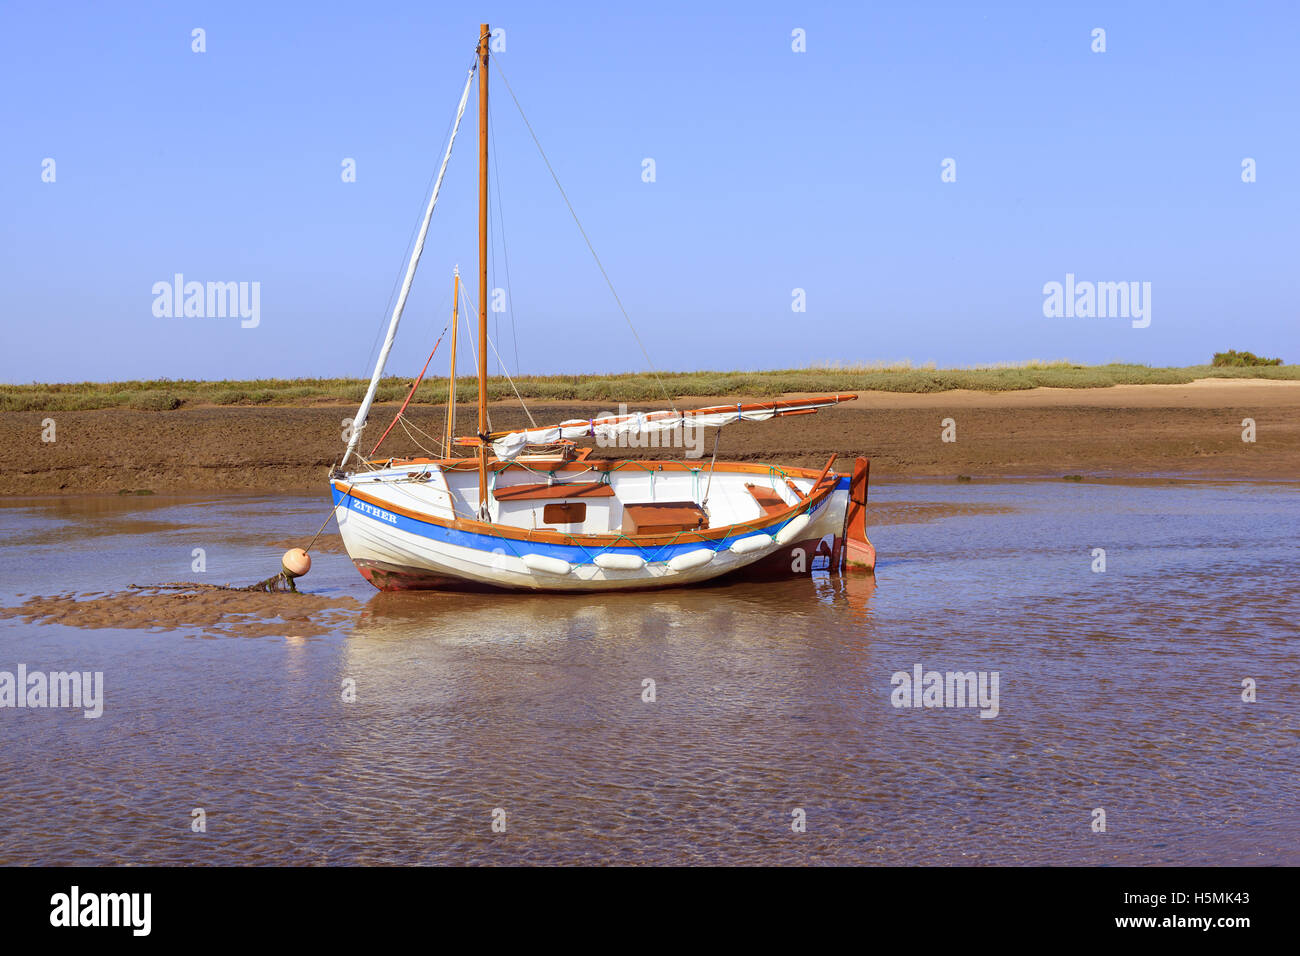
(1118, 690)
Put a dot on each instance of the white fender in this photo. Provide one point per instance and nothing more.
(691, 559)
(792, 530)
(612, 561)
(755, 542)
(540, 562)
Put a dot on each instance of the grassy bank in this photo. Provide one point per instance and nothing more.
(164, 394)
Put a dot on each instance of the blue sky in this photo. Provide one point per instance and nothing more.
(775, 170)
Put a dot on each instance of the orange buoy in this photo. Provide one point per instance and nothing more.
(296, 562)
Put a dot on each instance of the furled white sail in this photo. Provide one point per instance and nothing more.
(359, 422)
(617, 429)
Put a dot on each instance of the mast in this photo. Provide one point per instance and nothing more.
(484, 34)
(451, 381)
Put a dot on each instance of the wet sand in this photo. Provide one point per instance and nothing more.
(204, 611)
(1191, 430)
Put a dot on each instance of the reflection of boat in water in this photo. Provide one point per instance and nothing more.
(532, 512)
(472, 619)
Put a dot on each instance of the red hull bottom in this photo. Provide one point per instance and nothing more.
(861, 556)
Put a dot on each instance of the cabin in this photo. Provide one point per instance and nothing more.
(647, 499)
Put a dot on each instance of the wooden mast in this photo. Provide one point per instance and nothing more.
(451, 381)
(483, 37)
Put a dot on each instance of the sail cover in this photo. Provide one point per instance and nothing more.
(621, 429)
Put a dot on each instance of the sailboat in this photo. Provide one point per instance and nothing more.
(532, 511)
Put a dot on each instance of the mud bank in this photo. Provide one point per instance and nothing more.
(1193, 430)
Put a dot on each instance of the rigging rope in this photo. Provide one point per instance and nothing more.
(407, 425)
(505, 252)
(654, 371)
(414, 386)
(522, 404)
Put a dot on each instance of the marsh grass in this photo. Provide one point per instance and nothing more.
(901, 376)
(1234, 359)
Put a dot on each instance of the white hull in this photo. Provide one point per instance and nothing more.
(400, 527)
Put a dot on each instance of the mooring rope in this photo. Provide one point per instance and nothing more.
(275, 584)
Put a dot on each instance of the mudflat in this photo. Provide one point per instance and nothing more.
(1190, 430)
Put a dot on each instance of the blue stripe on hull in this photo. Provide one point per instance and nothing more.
(572, 553)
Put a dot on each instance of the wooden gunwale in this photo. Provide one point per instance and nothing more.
(819, 492)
